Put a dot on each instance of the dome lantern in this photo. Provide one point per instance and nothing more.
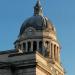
(38, 9)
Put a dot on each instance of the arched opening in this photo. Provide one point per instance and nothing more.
(24, 46)
(34, 46)
(40, 46)
(29, 46)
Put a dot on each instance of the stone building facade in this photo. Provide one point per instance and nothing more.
(36, 52)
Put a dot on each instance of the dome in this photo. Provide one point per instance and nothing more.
(37, 22)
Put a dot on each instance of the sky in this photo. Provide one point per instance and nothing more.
(62, 14)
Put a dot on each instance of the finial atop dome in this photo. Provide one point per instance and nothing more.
(38, 9)
(38, 3)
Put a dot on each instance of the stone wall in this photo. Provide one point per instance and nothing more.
(5, 72)
(29, 71)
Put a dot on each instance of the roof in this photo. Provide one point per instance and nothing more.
(38, 22)
(7, 51)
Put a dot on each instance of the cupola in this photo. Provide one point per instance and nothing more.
(37, 33)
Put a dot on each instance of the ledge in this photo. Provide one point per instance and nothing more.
(19, 54)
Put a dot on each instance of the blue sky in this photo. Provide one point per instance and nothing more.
(60, 12)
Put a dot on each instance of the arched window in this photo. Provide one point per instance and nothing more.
(40, 46)
(24, 46)
(34, 46)
(29, 46)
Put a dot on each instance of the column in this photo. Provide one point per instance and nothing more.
(37, 45)
(47, 48)
(22, 46)
(26, 46)
(17, 47)
(31, 46)
(52, 51)
(56, 53)
(44, 48)
(40, 46)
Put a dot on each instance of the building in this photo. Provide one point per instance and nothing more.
(36, 52)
